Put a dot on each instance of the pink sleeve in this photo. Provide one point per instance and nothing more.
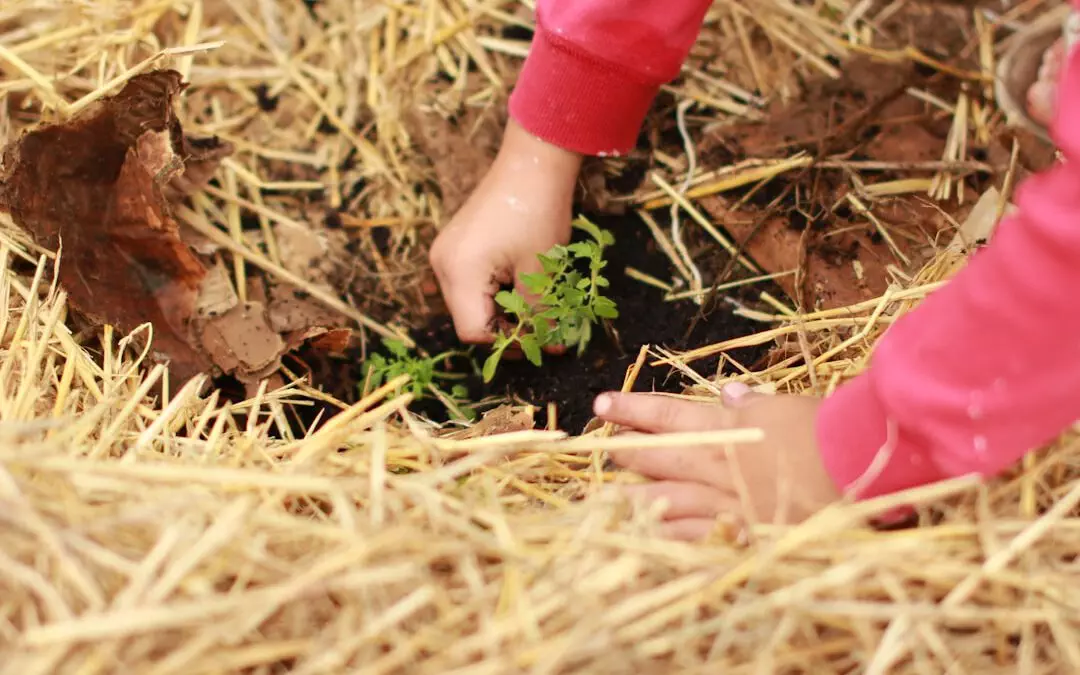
(595, 67)
(988, 367)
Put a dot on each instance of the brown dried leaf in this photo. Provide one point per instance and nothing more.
(241, 341)
(332, 341)
(317, 254)
(216, 293)
(291, 309)
(202, 157)
(96, 184)
(504, 419)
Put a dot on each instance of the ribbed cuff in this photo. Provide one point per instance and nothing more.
(573, 100)
(852, 430)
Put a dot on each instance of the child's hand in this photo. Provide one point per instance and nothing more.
(521, 208)
(781, 478)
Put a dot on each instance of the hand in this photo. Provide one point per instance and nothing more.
(780, 479)
(521, 208)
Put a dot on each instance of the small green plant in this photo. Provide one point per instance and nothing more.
(424, 376)
(570, 300)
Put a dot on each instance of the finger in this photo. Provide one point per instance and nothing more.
(1041, 99)
(469, 296)
(683, 500)
(698, 465)
(658, 414)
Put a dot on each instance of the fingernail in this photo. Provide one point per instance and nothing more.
(602, 405)
(733, 391)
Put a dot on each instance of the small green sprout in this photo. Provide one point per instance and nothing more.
(570, 300)
(423, 376)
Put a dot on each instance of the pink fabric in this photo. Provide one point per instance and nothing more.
(595, 67)
(988, 367)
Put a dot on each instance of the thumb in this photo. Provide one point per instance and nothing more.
(657, 414)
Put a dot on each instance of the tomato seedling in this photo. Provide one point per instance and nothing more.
(424, 376)
(570, 300)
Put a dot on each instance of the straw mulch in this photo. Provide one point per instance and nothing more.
(182, 534)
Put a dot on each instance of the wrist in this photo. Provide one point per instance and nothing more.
(534, 159)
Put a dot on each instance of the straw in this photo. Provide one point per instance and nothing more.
(146, 527)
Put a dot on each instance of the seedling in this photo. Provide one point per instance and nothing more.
(424, 377)
(570, 300)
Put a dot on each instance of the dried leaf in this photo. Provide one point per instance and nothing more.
(241, 341)
(504, 419)
(291, 309)
(97, 185)
(216, 294)
(202, 157)
(332, 341)
(318, 254)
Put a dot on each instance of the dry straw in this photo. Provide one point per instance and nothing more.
(188, 535)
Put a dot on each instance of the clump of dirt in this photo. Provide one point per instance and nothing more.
(570, 382)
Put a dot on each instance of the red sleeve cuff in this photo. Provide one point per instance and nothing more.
(569, 98)
(853, 431)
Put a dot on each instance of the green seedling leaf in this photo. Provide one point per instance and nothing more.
(536, 283)
(530, 345)
(541, 329)
(605, 308)
(550, 264)
(583, 223)
(583, 249)
(513, 302)
(397, 348)
(573, 296)
(491, 365)
(422, 371)
(583, 340)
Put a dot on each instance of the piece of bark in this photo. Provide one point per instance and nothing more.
(96, 185)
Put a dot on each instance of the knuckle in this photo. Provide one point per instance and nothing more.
(668, 414)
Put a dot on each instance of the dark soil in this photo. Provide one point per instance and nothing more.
(571, 382)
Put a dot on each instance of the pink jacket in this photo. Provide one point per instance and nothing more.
(983, 371)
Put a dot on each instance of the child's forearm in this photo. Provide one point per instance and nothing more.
(988, 367)
(595, 67)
